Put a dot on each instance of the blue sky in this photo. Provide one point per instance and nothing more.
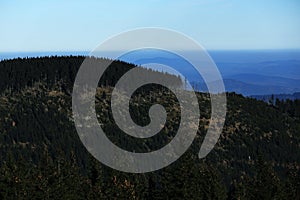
(57, 25)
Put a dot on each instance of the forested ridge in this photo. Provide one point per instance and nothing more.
(256, 157)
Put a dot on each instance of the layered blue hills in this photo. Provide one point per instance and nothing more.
(261, 72)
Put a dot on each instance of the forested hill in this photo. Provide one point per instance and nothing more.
(256, 157)
(24, 72)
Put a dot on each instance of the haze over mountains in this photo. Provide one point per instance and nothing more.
(245, 72)
(256, 84)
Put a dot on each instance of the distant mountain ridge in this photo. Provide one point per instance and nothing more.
(248, 89)
(264, 80)
(244, 72)
(253, 89)
(256, 84)
(267, 98)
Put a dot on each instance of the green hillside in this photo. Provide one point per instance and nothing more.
(256, 157)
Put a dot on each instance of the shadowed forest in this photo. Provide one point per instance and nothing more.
(42, 157)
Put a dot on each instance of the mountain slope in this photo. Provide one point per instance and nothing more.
(42, 156)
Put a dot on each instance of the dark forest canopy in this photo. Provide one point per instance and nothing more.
(21, 72)
(256, 157)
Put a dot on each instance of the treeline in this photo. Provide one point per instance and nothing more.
(24, 72)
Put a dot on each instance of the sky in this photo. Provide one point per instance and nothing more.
(72, 25)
